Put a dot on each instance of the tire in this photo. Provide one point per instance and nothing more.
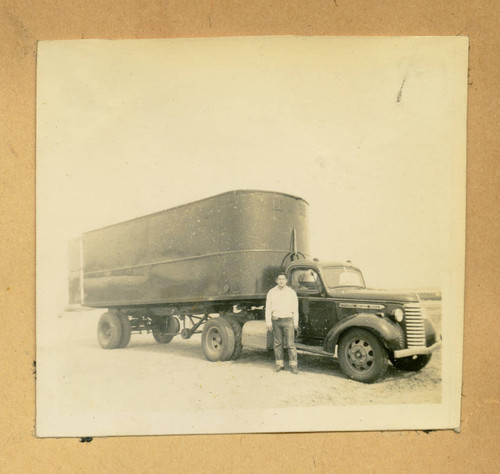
(109, 330)
(217, 339)
(362, 356)
(410, 364)
(164, 336)
(236, 326)
(126, 330)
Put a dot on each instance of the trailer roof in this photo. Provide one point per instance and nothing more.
(236, 191)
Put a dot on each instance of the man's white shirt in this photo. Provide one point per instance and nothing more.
(282, 303)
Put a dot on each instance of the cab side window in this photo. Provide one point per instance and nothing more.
(305, 280)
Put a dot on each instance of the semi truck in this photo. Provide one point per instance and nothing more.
(206, 267)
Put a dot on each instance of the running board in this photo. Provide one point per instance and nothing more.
(315, 349)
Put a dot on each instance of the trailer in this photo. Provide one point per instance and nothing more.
(206, 267)
(186, 264)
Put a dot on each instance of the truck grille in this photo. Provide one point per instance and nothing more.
(415, 329)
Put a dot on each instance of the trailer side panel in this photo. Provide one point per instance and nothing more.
(222, 248)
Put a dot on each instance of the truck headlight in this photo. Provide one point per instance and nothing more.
(398, 314)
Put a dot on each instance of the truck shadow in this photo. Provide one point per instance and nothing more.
(319, 365)
(192, 349)
(308, 363)
(178, 347)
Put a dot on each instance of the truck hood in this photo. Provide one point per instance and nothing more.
(368, 294)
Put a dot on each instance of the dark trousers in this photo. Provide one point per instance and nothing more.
(284, 338)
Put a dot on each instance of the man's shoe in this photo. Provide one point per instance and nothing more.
(279, 368)
(295, 370)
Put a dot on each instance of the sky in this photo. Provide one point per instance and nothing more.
(369, 131)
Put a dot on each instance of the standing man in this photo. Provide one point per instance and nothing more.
(282, 318)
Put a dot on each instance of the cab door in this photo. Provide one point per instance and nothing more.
(316, 315)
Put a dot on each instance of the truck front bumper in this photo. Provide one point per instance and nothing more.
(416, 351)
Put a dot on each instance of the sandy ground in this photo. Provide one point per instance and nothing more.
(83, 377)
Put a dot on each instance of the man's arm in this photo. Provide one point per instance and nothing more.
(269, 311)
(296, 310)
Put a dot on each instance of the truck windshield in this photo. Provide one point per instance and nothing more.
(343, 276)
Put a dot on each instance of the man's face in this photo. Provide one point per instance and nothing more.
(281, 281)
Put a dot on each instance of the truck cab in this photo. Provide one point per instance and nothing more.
(363, 326)
(315, 287)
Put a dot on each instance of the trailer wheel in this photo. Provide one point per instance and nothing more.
(109, 330)
(167, 331)
(126, 330)
(362, 356)
(236, 326)
(217, 339)
(411, 364)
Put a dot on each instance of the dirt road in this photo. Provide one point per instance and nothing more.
(82, 377)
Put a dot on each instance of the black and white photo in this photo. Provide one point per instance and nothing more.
(180, 180)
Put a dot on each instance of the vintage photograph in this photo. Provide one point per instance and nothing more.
(252, 234)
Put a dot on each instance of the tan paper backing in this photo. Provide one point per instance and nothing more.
(475, 449)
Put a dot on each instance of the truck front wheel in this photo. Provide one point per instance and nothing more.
(411, 364)
(362, 356)
(109, 330)
(217, 339)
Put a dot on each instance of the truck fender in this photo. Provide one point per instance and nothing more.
(389, 333)
(430, 333)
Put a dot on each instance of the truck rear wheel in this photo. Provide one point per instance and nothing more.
(217, 339)
(126, 330)
(109, 330)
(411, 364)
(166, 330)
(362, 356)
(236, 326)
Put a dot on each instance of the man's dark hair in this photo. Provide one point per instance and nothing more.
(279, 274)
